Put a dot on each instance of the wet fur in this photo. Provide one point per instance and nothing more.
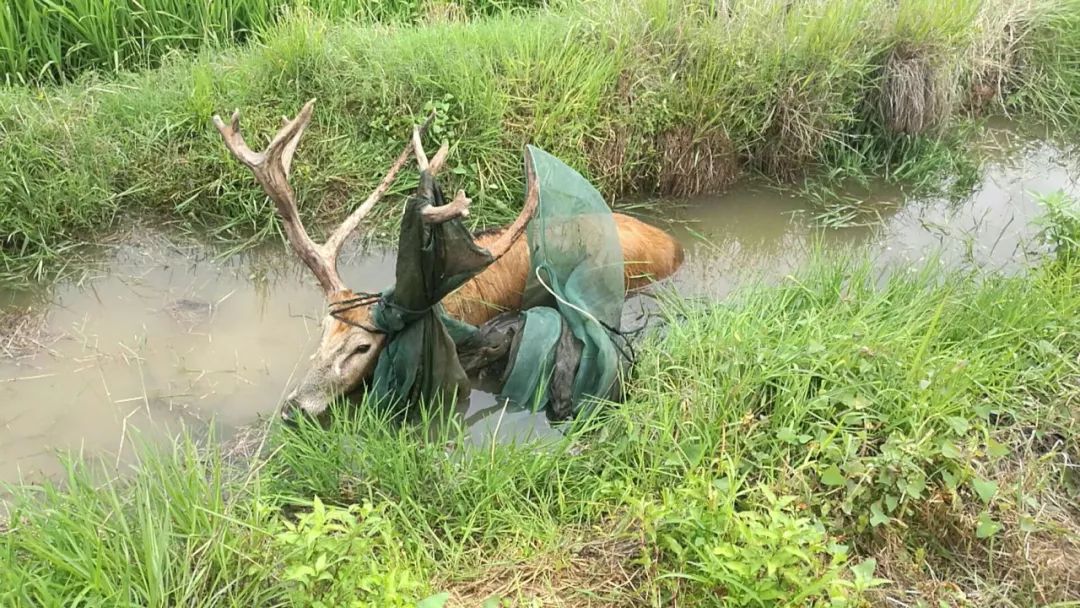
(649, 255)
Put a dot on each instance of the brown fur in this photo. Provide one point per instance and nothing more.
(348, 352)
(649, 255)
(360, 315)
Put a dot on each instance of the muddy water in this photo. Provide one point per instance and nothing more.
(167, 335)
(757, 233)
(159, 338)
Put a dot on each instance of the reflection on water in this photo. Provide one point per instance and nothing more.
(762, 233)
(166, 335)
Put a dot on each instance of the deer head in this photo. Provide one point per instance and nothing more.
(350, 343)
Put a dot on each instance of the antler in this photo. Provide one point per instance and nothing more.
(338, 237)
(459, 207)
(532, 198)
(271, 168)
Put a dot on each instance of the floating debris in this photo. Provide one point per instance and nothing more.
(23, 333)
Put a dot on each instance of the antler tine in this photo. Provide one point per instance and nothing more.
(288, 138)
(341, 234)
(292, 143)
(532, 200)
(234, 141)
(418, 149)
(271, 169)
(439, 159)
(431, 166)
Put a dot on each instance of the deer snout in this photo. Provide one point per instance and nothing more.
(291, 410)
(305, 401)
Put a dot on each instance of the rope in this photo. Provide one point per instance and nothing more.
(370, 299)
(362, 299)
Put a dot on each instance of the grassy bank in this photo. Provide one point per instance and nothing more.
(665, 97)
(833, 440)
(44, 42)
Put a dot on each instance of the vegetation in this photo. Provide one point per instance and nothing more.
(44, 41)
(833, 440)
(665, 97)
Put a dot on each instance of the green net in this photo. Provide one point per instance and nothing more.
(558, 351)
(419, 361)
(576, 279)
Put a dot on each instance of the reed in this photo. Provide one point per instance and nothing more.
(794, 446)
(46, 41)
(662, 97)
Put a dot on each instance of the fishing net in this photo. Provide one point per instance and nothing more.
(560, 351)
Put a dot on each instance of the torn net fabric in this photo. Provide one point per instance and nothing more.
(559, 352)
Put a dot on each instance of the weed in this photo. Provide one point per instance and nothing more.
(1061, 226)
(179, 530)
(767, 555)
(770, 450)
(321, 569)
(668, 97)
(43, 42)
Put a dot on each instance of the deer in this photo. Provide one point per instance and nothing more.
(350, 344)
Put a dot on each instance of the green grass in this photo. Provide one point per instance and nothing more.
(47, 41)
(173, 534)
(834, 439)
(664, 97)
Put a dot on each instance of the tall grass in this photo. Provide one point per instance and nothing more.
(177, 532)
(43, 41)
(836, 438)
(666, 97)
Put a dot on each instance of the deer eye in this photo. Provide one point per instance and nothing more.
(363, 348)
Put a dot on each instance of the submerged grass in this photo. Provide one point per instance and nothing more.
(840, 439)
(665, 97)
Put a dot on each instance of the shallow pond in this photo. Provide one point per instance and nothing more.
(168, 334)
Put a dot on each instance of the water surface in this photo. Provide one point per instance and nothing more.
(167, 334)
